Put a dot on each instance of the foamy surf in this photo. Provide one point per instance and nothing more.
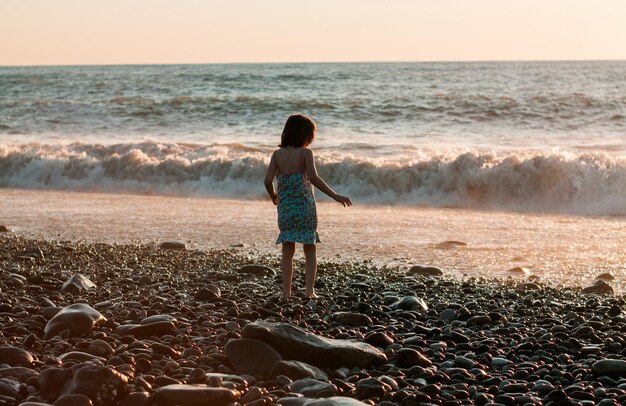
(589, 184)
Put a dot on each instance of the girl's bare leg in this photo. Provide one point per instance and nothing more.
(286, 267)
(310, 256)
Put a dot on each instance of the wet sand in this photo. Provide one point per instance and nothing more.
(559, 249)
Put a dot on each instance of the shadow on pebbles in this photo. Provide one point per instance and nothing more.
(133, 325)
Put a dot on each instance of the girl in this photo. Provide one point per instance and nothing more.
(294, 167)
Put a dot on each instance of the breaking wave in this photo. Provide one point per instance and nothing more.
(588, 184)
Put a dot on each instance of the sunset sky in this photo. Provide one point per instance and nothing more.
(44, 32)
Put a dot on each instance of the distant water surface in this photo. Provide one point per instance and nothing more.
(529, 136)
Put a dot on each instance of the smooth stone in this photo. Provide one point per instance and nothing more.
(353, 319)
(609, 367)
(80, 356)
(34, 404)
(78, 283)
(499, 362)
(518, 270)
(4, 229)
(158, 318)
(194, 395)
(600, 287)
(542, 387)
(408, 357)
(73, 400)
(464, 362)
(15, 357)
(448, 315)
(251, 356)
(313, 388)
(78, 318)
(207, 293)
(370, 387)
(479, 320)
(410, 303)
(450, 244)
(297, 370)
(50, 312)
(335, 401)
(331, 401)
(136, 399)
(606, 276)
(424, 271)
(104, 386)
(21, 374)
(529, 286)
(379, 339)
(173, 246)
(295, 343)
(258, 270)
(157, 328)
(10, 388)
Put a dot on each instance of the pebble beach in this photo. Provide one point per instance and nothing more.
(87, 323)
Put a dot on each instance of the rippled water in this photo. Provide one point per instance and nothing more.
(510, 106)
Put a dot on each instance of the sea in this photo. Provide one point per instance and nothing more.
(476, 167)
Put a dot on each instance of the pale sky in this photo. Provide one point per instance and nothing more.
(67, 32)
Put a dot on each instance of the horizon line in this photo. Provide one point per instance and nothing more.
(309, 62)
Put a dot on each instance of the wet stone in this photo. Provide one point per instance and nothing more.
(79, 319)
(367, 388)
(251, 356)
(448, 315)
(609, 367)
(15, 357)
(208, 292)
(297, 370)
(157, 328)
(310, 387)
(101, 384)
(408, 357)
(297, 344)
(158, 318)
(479, 320)
(410, 303)
(73, 400)
(353, 319)
(379, 339)
(78, 283)
(194, 395)
(173, 246)
(600, 287)
(425, 271)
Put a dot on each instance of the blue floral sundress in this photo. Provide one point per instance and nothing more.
(297, 213)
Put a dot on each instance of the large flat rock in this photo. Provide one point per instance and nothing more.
(293, 343)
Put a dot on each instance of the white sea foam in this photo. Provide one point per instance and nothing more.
(590, 184)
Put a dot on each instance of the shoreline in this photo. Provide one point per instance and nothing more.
(554, 248)
(172, 319)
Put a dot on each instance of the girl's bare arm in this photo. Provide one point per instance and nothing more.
(311, 170)
(269, 179)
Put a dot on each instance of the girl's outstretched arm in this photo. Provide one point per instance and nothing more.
(269, 179)
(311, 170)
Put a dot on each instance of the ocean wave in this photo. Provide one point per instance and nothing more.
(588, 184)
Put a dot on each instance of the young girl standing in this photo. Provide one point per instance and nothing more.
(294, 167)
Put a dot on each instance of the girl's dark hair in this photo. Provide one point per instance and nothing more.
(299, 131)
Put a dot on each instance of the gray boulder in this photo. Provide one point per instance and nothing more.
(294, 343)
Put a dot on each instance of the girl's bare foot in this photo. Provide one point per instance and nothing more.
(312, 295)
